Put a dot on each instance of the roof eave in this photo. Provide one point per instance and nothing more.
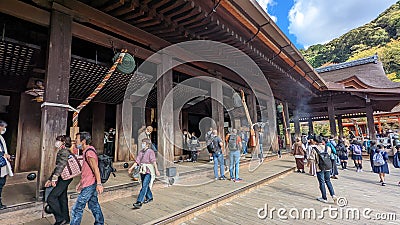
(260, 17)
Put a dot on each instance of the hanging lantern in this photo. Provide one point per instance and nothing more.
(128, 64)
(279, 108)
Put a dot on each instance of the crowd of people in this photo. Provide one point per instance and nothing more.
(324, 155)
(321, 155)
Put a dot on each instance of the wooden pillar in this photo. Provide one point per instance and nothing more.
(54, 119)
(310, 126)
(165, 115)
(340, 125)
(216, 105)
(180, 123)
(370, 121)
(286, 126)
(28, 140)
(296, 124)
(331, 115)
(123, 135)
(98, 126)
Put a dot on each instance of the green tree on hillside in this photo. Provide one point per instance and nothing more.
(379, 36)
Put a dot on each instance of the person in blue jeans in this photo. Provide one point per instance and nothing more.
(243, 136)
(90, 185)
(147, 161)
(323, 176)
(234, 143)
(218, 156)
(260, 141)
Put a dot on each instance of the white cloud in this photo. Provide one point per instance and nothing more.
(316, 21)
(264, 4)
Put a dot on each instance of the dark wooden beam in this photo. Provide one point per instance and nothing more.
(25, 11)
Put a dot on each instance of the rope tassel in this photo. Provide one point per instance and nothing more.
(98, 88)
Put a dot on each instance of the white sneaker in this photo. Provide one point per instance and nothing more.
(322, 200)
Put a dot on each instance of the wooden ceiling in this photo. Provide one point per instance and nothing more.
(175, 21)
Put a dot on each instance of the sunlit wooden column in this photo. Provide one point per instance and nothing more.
(287, 125)
(340, 125)
(54, 119)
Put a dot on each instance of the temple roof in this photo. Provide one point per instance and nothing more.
(366, 73)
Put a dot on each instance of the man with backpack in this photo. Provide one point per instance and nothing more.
(209, 138)
(90, 185)
(330, 143)
(324, 165)
(218, 156)
(234, 143)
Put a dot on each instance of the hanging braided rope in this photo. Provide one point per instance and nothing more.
(98, 88)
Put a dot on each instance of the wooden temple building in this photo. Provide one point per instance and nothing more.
(355, 89)
(69, 45)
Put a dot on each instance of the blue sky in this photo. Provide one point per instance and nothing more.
(309, 22)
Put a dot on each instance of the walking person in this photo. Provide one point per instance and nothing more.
(218, 156)
(209, 138)
(58, 199)
(380, 159)
(146, 159)
(343, 154)
(146, 133)
(331, 144)
(298, 152)
(90, 185)
(245, 139)
(234, 143)
(194, 144)
(372, 151)
(356, 150)
(260, 142)
(322, 159)
(5, 169)
(185, 145)
(311, 158)
(396, 159)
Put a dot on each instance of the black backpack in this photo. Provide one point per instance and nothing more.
(105, 166)
(324, 160)
(232, 142)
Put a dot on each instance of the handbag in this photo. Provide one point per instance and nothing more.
(73, 167)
